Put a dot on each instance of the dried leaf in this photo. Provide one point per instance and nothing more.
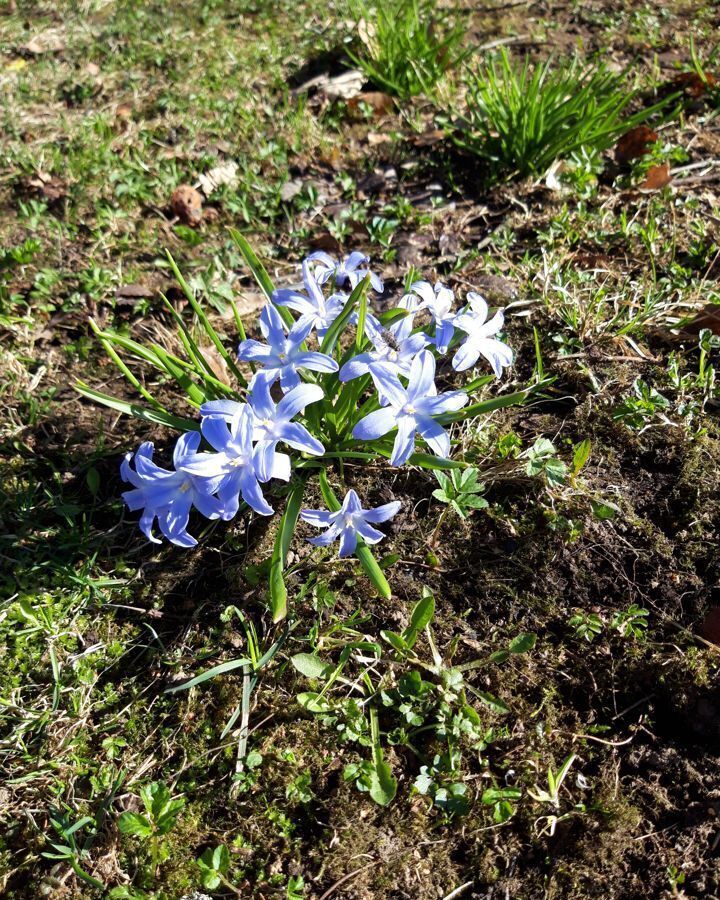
(291, 189)
(710, 627)
(225, 173)
(692, 84)
(186, 204)
(634, 144)
(340, 87)
(380, 103)
(707, 317)
(216, 362)
(134, 292)
(428, 138)
(657, 177)
(50, 186)
(49, 42)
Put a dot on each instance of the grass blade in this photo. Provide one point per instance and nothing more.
(283, 538)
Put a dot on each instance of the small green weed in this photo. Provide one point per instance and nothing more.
(522, 117)
(407, 45)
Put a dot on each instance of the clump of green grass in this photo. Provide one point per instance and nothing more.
(522, 117)
(408, 45)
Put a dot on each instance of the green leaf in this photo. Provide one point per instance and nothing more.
(493, 702)
(283, 538)
(205, 323)
(314, 702)
(383, 785)
(389, 560)
(210, 673)
(604, 509)
(333, 333)
(487, 406)
(259, 272)
(139, 412)
(581, 454)
(422, 615)
(135, 824)
(396, 641)
(311, 666)
(523, 643)
(195, 394)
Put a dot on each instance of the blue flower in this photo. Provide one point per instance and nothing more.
(283, 354)
(349, 523)
(411, 410)
(480, 341)
(439, 302)
(346, 270)
(165, 495)
(394, 347)
(231, 471)
(273, 424)
(312, 306)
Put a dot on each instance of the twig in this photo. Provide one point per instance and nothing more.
(503, 42)
(459, 890)
(591, 737)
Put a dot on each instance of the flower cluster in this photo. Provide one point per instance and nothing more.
(310, 401)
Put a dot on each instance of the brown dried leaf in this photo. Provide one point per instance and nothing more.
(186, 203)
(710, 627)
(380, 103)
(708, 317)
(428, 138)
(50, 186)
(692, 84)
(634, 144)
(657, 177)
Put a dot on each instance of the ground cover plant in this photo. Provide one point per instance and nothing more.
(359, 499)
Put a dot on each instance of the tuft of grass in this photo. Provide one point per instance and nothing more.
(522, 117)
(407, 45)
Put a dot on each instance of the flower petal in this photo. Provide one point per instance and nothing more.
(215, 431)
(422, 376)
(251, 493)
(272, 327)
(320, 518)
(299, 438)
(253, 351)
(434, 436)
(317, 362)
(297, 399)
(389, 386)
(369, 534)
(355, 367)
(382, 513)
(404, 442)
(226, 408)
(348, 542)
(260, 400)
(375, 425)
(450, 401)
